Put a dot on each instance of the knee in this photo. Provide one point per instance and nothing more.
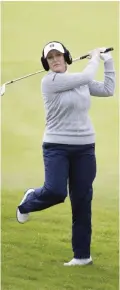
(57, 194)
(60, 195)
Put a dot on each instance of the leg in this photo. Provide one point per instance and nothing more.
(82, 174)
(54, 190)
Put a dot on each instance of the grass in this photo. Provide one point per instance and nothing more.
(33, 254)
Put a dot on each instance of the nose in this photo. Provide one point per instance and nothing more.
(55, 58)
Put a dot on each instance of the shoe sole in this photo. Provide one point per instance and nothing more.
(25, 195)
(18, 220)
(79, 265)
(90, 263)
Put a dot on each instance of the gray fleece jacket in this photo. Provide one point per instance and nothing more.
(67, 100)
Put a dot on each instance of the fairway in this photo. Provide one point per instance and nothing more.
(33, 254)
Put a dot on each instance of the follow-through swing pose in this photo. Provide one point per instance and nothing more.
(69, 141)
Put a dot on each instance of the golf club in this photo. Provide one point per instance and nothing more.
(2, 88)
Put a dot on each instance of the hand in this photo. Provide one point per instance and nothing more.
(105, 56)
(94, 52)
(2, 90)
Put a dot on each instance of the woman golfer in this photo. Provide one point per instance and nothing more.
(69, 142)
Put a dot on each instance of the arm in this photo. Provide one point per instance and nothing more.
(59, 82)
(106, 88)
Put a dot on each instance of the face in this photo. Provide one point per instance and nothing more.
(56, 61)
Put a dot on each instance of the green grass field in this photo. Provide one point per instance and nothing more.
(33, 254)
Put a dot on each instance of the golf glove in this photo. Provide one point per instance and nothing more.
(94, 52)
(105, 56)
(2, 90)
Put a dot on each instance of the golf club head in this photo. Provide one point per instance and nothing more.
(2, 90)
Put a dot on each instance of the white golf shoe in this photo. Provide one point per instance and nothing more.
(79, 262)
(23, 217)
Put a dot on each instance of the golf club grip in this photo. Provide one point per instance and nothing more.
(107, 50)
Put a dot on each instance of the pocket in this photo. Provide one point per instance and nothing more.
(47, 145)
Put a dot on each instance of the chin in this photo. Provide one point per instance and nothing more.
(59, 70)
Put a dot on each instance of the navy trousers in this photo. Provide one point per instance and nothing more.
(74, 165)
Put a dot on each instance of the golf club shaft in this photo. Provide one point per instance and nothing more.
(26, 76)
(41, 71)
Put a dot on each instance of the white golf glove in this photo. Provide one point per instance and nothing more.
(2, 90)
(94, 52)
(105, 56)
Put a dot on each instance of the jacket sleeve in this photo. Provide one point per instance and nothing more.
(107, 87)
(60, 82)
